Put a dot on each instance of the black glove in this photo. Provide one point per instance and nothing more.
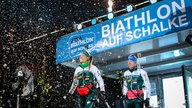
(146, 102)
(67, 96)
(124, 97)
(103, 95)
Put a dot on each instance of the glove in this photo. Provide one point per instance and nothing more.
(67, 96)
(124, 97)
(103, 94)
(146, 102)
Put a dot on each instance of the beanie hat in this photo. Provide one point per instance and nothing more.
(132, 58)
(87, 54)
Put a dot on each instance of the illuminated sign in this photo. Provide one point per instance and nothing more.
(156, 20)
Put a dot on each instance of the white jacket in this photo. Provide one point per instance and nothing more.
(95, 72)
(143, 73)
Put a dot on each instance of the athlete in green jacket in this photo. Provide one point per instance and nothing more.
(136, 85)
(85, 78)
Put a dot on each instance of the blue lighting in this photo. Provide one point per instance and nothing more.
(110, 15)
(79, 26)
(129, 8)
(177, 53)
(93, 21)
(152, 1)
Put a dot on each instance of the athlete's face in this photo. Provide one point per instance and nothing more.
(83, 58)
(131, 64)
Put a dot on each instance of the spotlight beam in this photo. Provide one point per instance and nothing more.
(110, 3)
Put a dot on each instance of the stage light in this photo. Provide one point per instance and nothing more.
(79, 26)
(152, 1)
(188, 39)
(110, 15)
(129, 8)
(93, 21)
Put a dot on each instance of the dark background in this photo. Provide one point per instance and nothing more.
(21, 20)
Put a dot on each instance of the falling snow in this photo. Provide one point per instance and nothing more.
(23, 20)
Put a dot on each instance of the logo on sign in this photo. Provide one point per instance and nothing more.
(78, 43)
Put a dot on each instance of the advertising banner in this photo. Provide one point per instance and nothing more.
(155, 20)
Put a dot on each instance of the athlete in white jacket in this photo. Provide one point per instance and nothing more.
(136, 84)
(84, 81)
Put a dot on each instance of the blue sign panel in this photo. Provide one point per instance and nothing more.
(156, 20)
